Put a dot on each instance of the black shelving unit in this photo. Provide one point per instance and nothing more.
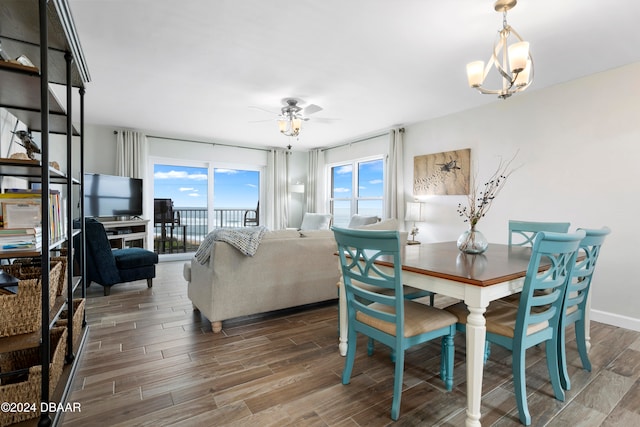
(44, 31)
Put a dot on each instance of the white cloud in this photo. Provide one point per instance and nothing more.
(344, 169)
(194, 195)
(180, 175)
(226, 171)
(375, 181)
(187, 189)
(341, 190)
(251, 185)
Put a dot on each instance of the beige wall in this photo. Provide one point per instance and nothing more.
(578, 148)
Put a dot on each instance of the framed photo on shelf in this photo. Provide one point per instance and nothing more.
(21, 214)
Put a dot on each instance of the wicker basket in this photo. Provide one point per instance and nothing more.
(78, 317)
(21, 313)
(30, 268)
(25, 388)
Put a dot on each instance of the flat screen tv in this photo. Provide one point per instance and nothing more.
(112, 196)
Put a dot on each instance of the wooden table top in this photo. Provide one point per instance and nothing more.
(500, 263)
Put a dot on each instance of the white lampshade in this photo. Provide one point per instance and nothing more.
(415, 212)
(475, 73)
(523, 76)
(297, 188)
(518, 56)
(282, 125)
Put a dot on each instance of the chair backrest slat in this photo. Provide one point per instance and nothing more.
(548, 275)
(588, 254)
(523, 233)
(364, 281)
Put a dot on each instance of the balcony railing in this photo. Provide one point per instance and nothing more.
(196, 227)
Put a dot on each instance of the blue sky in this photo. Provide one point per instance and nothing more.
(187, 186)
(369, 177)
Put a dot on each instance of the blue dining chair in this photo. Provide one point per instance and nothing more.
(522, 233)
(576, 300)
(537, 317)
(387, 317)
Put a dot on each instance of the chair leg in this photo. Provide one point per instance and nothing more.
(371, 347)
(149, 282)
(520, 386)
(581, 340)
(351, 355)
(449, 354)
(553, 363)
(565, 382)
(107, 290)
(397, 385)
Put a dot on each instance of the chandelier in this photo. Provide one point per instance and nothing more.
(289, 120)
(513, 62)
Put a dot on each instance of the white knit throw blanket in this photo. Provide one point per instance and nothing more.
(246, 240)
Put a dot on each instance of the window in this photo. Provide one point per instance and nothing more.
(357, 187)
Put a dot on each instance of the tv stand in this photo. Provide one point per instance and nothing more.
(126, 233)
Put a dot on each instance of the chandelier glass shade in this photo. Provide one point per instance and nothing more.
(513, 62)
(289, 125)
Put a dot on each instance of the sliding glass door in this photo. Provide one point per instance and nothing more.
(191, 199)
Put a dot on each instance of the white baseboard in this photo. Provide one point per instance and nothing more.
(615, 320)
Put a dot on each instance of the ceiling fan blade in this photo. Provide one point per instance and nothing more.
(311, 108)
(253, 107)
(261, 121)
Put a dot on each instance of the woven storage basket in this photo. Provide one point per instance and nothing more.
(78, 317)
(25, 388)
(31, 267)
(21, 313)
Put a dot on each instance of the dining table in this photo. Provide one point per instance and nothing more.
(475, 279)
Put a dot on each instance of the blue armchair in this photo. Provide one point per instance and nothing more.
(108, 267)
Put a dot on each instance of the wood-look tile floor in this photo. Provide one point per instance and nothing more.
(150, 360)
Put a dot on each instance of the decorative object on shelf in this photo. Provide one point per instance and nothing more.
(28, 143)
(416, 212)
(442, 174)
(515, 67)
(479, 203)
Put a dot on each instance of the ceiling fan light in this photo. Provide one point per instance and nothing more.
(296, 125)
(282, 125)
(518, 55)
(475, 73)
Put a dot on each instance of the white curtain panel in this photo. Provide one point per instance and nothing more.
(315, 182)
(132, 151)
(277, 208)
(395, 189)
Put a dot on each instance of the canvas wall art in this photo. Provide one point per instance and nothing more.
(446, 173)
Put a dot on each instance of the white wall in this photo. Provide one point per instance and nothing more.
(578, 147)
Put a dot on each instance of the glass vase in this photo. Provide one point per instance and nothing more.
(472, 242)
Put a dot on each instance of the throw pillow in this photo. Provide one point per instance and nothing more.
(315, 221)
(360, 220)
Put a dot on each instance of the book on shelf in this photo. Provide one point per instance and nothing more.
(20, 239)
(21, 207)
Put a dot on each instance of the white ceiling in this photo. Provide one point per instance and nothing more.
(193, 68)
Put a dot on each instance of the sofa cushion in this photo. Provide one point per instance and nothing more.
(360, 220)
(315, 221)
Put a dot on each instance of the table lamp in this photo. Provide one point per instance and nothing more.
(415, 212)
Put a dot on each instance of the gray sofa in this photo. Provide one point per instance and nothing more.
(289, 269)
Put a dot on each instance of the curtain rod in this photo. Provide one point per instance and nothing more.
(359, 140)
(203, 142)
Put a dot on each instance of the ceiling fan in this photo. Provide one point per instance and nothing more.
(292, 115)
